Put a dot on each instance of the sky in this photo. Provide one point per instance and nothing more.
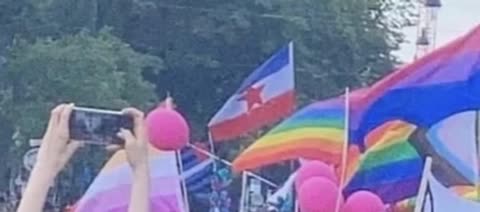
(456, 17)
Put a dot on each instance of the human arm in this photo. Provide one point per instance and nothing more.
(55, 151)
(136, 146)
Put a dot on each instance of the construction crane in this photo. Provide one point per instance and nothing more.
(427, 26)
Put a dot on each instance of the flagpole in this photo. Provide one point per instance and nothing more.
(212, 148)
(343, 166)
(423, 185)
(477, 155)
(230, 164)
(182, 181)
(243, 195)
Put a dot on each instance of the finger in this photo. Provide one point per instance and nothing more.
(65, 116)
(138, 120)
(127, 136)
(113, 148)
(54, 117)
(136, 114)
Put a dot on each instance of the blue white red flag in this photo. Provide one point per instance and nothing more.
(266, 96)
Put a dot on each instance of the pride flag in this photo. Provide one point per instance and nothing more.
(468, 192)
(443, 83)
(391, 166)
(315, 132)
(111, 189)
(423, 95)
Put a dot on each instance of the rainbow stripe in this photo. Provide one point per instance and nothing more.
(468, 192)
(391, 167)
(316, 132)
(408, 205)
(425, 92)
(110, 191)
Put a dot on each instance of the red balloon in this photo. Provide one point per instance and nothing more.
(364, 201)
(314, 169)
(167, 129)
(318, 194)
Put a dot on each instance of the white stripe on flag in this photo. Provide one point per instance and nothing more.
(188, 173)
(434, 197)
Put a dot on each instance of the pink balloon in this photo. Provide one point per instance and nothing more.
(314, 169)
(167, 129)
(318, 194)
(364, 201)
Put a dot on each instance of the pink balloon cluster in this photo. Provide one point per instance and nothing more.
(318, 194)
(167, 129)
(317, 188)
(314, 169)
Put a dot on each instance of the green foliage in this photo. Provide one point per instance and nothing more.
(58, 52)
(97, 71)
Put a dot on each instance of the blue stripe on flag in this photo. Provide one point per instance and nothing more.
(199, 173)
(189, 159)
(279, 60)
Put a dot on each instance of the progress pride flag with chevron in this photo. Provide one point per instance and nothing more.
(266, 96)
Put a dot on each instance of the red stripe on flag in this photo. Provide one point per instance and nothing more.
(269, 112)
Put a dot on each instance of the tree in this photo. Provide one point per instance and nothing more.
(90, 69)
(206, 48)
(209, 47)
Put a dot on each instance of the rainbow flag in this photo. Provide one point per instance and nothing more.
(110, 191)
(315, 132)
(391, 166)
(393, 163)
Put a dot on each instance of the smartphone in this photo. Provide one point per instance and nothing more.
(96, 126)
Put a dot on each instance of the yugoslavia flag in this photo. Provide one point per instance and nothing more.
(111, 189)
(264, 97)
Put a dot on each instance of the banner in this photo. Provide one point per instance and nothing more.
(256, 192)
(284, 199)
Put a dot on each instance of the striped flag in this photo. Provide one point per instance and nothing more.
(197, 171)
(111, 189)
(435, 197)
(264, 97)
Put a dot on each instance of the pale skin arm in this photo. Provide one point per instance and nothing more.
(140, 201)
(136, 147)
(55, 151)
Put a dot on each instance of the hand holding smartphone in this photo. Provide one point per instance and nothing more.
(97, 126)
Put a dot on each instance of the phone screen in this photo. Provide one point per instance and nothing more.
(97, 126)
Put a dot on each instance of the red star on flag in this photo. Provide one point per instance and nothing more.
(253, 96)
